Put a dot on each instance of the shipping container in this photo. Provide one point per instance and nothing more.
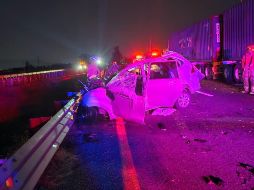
(238, 29)
(194, 42)
(217, 44)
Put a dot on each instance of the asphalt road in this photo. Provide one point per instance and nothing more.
(209, 145)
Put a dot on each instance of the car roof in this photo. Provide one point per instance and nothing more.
(168, 56)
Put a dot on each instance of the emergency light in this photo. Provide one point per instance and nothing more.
(138, 57)
(155, 54)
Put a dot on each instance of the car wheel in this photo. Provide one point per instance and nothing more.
(208, 72)
(228, 73)
(184, 100)
(103, 114)
(238, 73)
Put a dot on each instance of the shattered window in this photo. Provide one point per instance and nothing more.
(135, 70)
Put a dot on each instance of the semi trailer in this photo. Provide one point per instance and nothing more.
(217, 44)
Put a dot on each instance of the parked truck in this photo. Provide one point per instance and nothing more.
(217, 44)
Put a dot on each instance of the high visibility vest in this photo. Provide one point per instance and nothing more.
(248, 61)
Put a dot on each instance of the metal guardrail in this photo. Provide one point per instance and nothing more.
(29, 74)
(28, 78)
(23, 169)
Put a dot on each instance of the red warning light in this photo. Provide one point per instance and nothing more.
(9, 183)
(138, 57)
(154, 54)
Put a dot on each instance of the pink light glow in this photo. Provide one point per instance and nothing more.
(130, 178)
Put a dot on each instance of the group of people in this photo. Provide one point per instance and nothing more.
(248, 70)
(105, 73)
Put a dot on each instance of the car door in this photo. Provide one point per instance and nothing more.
(128, 99)
(164, 85)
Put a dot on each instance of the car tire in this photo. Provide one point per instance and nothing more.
(103, 114)
(238, 73)
(201, 68)
(208, 72)
(184, 100)
(228, 73)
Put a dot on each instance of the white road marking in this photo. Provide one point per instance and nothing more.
(203, 93)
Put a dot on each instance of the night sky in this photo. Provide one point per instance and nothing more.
(61, 30)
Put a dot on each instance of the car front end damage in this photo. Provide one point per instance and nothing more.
(138, 90)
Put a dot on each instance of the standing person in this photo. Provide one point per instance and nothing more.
(248, 70)
(92, 71)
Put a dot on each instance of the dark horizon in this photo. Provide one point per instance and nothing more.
(59, 31)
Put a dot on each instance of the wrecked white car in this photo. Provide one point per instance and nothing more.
(146, 86)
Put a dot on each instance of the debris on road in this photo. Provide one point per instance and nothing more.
(213, 180)
(90, 137)
(247, 167)
(200, 140)
(204, 93)
(184, 136)
(162, 126)
(245, 172)
(224, 132)
(163, 111)
(187, 140)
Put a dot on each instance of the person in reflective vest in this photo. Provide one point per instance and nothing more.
(92, 71)
(248, 70)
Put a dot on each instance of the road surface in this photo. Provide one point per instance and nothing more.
(209, 145)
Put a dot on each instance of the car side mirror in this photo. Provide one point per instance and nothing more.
(139, 86)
